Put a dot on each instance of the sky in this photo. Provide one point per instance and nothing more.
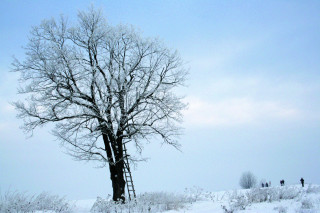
(253, 93)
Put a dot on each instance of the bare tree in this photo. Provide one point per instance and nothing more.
(102, 86)
(247, 180)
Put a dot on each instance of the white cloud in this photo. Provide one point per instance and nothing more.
(235, 111)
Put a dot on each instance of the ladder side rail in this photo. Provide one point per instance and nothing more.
(127, 171)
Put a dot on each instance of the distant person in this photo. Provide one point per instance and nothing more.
(262, 185)
(267, 185)
(282, 182)
(302, 182)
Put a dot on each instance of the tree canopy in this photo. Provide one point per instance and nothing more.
(101, 86)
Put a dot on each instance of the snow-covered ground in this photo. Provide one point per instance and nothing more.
(286, 199)
(281, 199)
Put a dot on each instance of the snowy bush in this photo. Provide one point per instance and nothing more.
(259, 195)
(247, 180)
(47, 202)
(307, 204)
(281, 209)
(195, 194)
(239, 203)
(147, 202)
(313, 189)
(240, 200)
(287, 193)
(15, 202)
(165, 201)
(23, 203)
(226, 210)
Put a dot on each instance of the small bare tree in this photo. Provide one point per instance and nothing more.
(102, 86)
(247, 180)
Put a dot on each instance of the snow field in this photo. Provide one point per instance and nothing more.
(286, 199)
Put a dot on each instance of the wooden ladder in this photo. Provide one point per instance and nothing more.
(127, 174)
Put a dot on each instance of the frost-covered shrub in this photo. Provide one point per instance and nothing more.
(16, 202)
(109, 206)
(13, 201)
(196, 194)
(313, 189)
(264, 195)
(306, 204)
(47, 202)
(259, 195)
(239, 203)
(281, 209)
(226, 210)
(273, 194)
(147, 202)
(165, 201)
(247, 180)
(287, 193)
(240, 200)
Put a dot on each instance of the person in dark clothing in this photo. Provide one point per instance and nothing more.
(302, 182)
(262, 185)
(267, 185)
(282, 182)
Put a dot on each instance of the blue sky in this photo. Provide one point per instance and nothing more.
(253, 95)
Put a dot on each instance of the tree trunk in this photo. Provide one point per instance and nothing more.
(118, 182)
(116, 165)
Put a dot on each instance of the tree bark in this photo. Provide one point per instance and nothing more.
(116, 165)
(118, 182)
